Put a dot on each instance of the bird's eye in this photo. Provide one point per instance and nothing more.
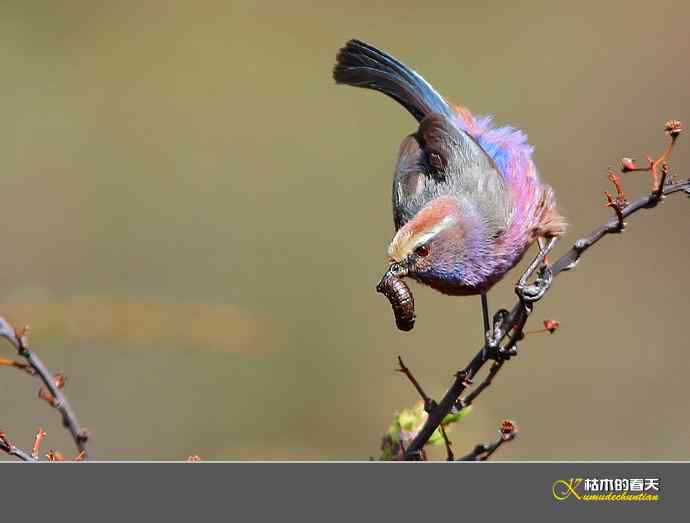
(422, 251)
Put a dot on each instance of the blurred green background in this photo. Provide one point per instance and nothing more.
(195, 216)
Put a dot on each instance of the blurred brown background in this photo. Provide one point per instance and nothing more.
(194, 218)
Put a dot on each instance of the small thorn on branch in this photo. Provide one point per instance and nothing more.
(22, 336)
(615, 205)
(60, 380)
(17, 364)
(4, 441)
(466, 401)
(54, 455)
(40, 434)
(43, 393)
(47, 397)
(465, 378)
(659, 193)
(616, 181)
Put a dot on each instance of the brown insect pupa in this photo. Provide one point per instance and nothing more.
(401, 300)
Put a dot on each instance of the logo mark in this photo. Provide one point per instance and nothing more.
(563, 489)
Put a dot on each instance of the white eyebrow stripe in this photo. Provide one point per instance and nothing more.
(425, 237)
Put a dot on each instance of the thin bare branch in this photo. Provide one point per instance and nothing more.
(428, 402)
(449, 452)
(52, 383)
(13, 450)
(482, 452)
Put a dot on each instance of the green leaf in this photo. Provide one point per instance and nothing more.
(454, 418)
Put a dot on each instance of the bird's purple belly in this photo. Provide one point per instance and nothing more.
(467, 281)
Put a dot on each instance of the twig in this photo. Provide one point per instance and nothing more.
(40, 434)
(449, 452)
(474, 454)
(483, 451)
(619, 203)
(51, 382)
(428, 402)
(12, 450)
(570, 258)
(673, 128)
(550, 326)
(664, 174)
(17, 365)
(618, 209)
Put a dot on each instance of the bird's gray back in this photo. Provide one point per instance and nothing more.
(440, 160)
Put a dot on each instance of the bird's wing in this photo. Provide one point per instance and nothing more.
(437, 160)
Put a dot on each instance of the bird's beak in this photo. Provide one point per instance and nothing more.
(395, 270)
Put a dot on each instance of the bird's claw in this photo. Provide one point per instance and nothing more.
(493, 337)
(491, 340)
(530, 293)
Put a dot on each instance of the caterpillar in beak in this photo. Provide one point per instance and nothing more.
(400, 298)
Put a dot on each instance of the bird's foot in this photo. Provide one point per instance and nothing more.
(532, 292)
(493, 337)
(491, 341)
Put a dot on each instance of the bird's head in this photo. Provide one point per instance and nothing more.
(430, 247)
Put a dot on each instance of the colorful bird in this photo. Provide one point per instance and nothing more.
(467, 199)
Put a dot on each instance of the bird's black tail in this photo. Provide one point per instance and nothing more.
(362, 65)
